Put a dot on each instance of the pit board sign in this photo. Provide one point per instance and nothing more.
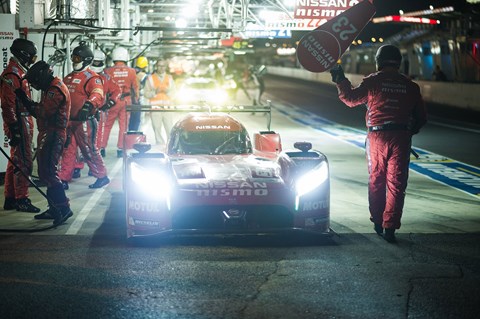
(320, 49)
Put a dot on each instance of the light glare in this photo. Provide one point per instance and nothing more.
(312, 179)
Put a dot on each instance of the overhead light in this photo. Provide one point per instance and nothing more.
(407, 19)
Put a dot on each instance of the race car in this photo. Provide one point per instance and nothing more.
(212, 178)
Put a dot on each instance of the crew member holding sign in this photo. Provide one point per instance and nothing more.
(319, 50)
(395, 111)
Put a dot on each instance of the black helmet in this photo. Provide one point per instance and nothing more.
(24, 50)
(40, 75)
(82, 56)
(388, 55)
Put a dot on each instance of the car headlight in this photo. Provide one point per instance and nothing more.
(312, 179)
(150, 182)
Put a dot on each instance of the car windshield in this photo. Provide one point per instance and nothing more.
(211, 143)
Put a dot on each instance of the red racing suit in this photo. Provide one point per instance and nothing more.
(395, 111)
(15, 114)
(83, 86)
(52, 113)
(126, 78)
(112, 92)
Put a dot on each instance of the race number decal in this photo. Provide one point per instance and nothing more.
(320, 49)
(344, 28)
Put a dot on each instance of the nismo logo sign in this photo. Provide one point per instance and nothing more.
(232, 188)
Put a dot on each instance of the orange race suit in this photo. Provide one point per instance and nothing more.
(158, 89)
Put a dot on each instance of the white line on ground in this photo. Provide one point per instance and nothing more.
(83, 214)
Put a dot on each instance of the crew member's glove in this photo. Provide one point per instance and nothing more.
(413, 127)
(26, 101)
(85, 111)
(15, 135)
(109, 104)
(337, 74)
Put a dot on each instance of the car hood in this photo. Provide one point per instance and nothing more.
(226, 168)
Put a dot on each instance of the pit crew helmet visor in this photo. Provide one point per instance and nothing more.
(82, 56)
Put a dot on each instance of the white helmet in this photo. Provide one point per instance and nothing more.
(98, 63)
(120, 54)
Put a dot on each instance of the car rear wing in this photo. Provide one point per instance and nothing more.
(267, 109)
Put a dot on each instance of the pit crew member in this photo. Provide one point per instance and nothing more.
(126, 78)
(52, 113)
(18, 126)
(395, 111)
(160, 89)
(87, 95)
(112, 95)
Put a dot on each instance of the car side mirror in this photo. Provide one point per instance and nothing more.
(142, 147)
(303, 146)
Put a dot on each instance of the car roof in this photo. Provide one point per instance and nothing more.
(205, 121)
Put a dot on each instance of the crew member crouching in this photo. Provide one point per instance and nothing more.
(52, 113)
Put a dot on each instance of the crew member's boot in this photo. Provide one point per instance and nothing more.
(25, 205)
(100, 182)
(61, 210)
(390, 235)
(77, 173)
(51, 212)
(378, 229)
(64, 213)
(10, 203)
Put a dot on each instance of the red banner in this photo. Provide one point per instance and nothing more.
(320, 49)
(321, 9)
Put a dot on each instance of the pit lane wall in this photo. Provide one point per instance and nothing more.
(459, 95)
